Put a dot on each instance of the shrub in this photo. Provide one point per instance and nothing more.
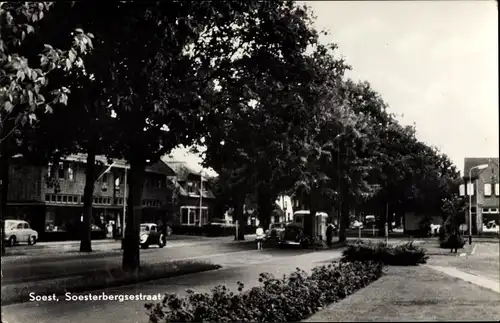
(407, 254)
(449, 242)
(289, 299)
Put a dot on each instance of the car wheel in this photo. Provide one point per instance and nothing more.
(162, 241)
(31, 240)
(12, 241)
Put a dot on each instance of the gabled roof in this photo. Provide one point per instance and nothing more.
(470, 162)
(158, 168)
(181, 170)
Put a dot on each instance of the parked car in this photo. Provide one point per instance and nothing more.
(17, 231)
(293, 235)
(491, 226)
(357, 225)
(275, 231)
(149, 235)
(97, 232)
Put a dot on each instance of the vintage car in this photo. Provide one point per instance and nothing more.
(17, 231)
(275, 231)
(150, 235)
(293, 235)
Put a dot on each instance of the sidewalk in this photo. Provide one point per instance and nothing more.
(108, 245)
(414, 294)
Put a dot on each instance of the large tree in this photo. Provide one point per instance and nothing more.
(25, 71)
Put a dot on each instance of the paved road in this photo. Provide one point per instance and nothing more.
(243, 266)
(23, 269)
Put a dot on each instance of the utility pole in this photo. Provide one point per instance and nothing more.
(201, 196)
(124, 204)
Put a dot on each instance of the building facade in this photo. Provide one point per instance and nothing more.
(196, 200)
(51, 198)
(484, 189)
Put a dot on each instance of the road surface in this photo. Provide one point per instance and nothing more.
(243, 266)
(35, 268)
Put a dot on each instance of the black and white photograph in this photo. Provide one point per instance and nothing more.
(249, 161)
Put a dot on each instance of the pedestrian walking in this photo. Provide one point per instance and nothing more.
(454, 241)
(259, 237)
(329, 234)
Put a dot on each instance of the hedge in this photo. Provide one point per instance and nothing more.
(289, 299)
(407, 254)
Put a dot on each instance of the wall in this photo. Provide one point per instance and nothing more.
(25, 183)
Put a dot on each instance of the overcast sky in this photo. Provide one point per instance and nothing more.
(434, 62)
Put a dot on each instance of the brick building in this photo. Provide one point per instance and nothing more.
(485, 191)
(189, 182)
(53, 203)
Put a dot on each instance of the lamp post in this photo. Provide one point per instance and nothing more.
(478, 167)
(201, 197)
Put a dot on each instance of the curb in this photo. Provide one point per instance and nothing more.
(478, 280)
(15, 294)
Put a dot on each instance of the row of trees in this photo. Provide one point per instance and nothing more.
(329, 140)
(133, 80)
(247, 79)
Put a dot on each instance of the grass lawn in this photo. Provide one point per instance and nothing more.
(99, 279)
(414, 294)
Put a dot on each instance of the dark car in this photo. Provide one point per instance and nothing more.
(293, 235)
(275, 231)
(150, 235)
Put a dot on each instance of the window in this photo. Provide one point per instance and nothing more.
(117, 182)
(65, 199)
(49, 170)
(105, 178)
(71, 175)
(493, 210)
(26, 225)
(487, 189)
(52, 198)
(193, 188)
(486, 210)
(60, 173)
(497, 189)
(461, 190)
(59, 198)
(191, 217)
(20, 226)
(184, 216)
(47, 197)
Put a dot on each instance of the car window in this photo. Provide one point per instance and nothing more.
(153, 228)
(19, 226)
(144, 228)
(26, 226)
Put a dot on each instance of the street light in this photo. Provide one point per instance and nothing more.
(478, 167)
(201, 198)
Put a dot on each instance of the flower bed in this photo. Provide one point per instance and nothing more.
(407, 254)
(289, 299)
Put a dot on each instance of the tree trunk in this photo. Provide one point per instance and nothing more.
(265, 209)
(88, 194)
(399, 216)
(382, 219)
(131, 260)
(240, 217)
(4, 189)
(344, 219)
